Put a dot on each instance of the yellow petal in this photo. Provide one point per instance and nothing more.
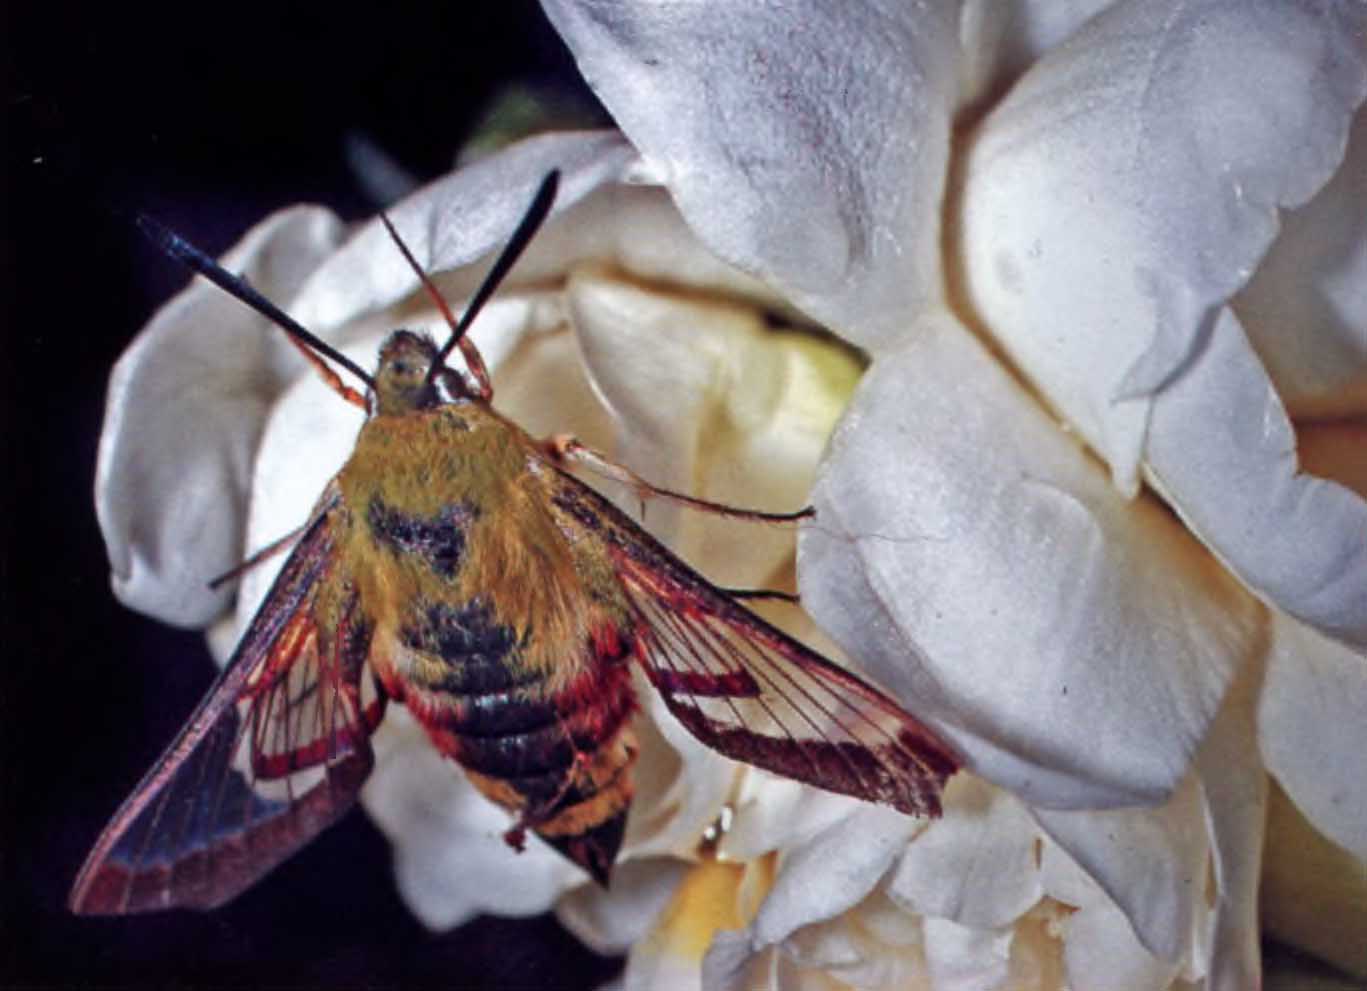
(713, 896)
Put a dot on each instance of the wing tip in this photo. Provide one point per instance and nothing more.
(99, 890)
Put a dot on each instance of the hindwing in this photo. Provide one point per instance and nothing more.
(275, 753)
(750, 691)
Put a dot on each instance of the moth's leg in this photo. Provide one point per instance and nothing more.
(566, 449)
(270, 550)
(333, 380)
(534, 815)
(760, 593)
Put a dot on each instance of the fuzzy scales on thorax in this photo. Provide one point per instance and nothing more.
(504, 632)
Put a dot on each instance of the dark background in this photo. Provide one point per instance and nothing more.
(209, 117)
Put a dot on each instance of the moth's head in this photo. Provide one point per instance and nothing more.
(401, 382)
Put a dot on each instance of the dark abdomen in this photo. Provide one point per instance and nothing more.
(555, 751)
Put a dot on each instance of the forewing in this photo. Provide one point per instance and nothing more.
(275, 753)
(748, 690)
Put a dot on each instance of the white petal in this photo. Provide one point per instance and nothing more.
(186, 404)
(1222, 452)
(961, 958)
(613, 921)
(1305, 309)
(786, 974)
(459, 219)
(976, 865)
(1129, 185)
(1037, 948)
(805, 142)
(681, 786)
(711, 402)
(727, 960)
(539, 383)
(637, 230)
(1151, 862)
(307, 438)
(450, 858)
(703, 908)
(1071, 644)
(1101, 954)
(1000, 39)
(829, 946)
(1064, 881)
(833, 871)
(774, 813)
(1234, 788)
(1312, 731)
(848, 949)
(882, 920)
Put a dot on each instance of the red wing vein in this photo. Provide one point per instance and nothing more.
(295, 730)
(663, 619)
(694, 647)
(683, 651)
(291, 726)
(762, 662)
(290, 730)
(704, 645)
(783, 671)
(320, 715)
(678, 654)
(860, 713)
(325, 721)
(260, 719)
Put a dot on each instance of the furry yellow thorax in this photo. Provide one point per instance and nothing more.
(516, 560)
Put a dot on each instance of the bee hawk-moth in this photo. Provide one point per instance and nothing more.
(455, 567)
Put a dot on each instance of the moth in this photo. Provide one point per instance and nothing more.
(456, 567)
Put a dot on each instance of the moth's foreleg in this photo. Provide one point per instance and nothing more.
(760, 593)
(330, 377)
(540, 812)
(256, 557)
(565, 449)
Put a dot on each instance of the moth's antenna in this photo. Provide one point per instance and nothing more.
(526, 229)
(310, 345)
(512, 251)
(483, 387)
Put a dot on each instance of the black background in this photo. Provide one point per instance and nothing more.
(210, 117)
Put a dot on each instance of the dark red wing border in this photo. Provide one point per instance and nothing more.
(276, 752)
(753, 693)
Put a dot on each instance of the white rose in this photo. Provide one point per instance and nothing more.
(1063, 519)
